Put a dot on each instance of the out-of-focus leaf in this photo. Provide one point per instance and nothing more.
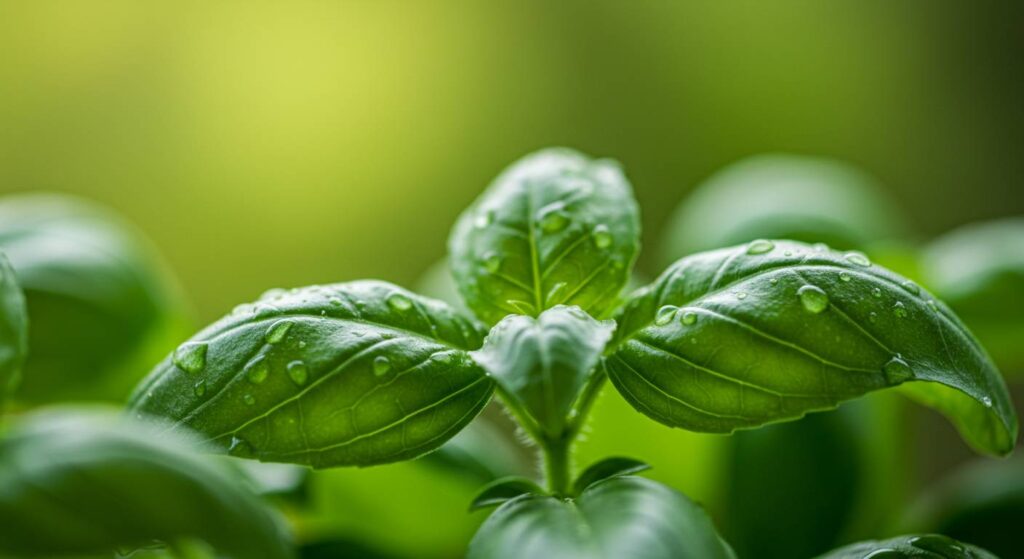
(925, 546)
(544, 362)
(978, 270)
(357, 373)
(481, 450)
(555, 228)
(88, 481)
(619, 517)
(504, 489)
(101, 306)
(778, 196)
(983, 503)
(771, 330)
(609, 467)
(13, 330)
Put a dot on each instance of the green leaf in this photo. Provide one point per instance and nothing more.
(978, 270)
(355, 373)
(927, 546)
(101, 306)
(13, 330)
(808, 199)
(608, 468)
(504, 489)
(769, 331)
(80, 481)
(555, 228)
(619, 517)
(544, 362)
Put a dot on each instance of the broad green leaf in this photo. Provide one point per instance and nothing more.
(778, 196)
(555, 228)
(609, 467)
(926, 546)
(82, 481)
(982, 503)
(544, 362)
(355, 373)
(101, 306)
(771, 330)
(504, 489)
(978, 270)
(620, 517)
(13, 330)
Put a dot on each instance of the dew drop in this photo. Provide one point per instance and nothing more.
(553, 218)
(240, 447)
(873, 317)
(689, 318)
(986, 401)
(248, 399)
(665, 315)
(760, 246)
(741, 295)
(876, 293)
(200, 388)
(492, 262)
(938, 544)
(788, 253)
(774, 281)
(257, 370)
(277, 331)
(858, 258)
(932, 305)
(483, 219)
(335, 302)
(897, 370)
(602, 236)
(813, 298)
(844, 277)
(911, 287)
(190, 357)
(899, 309)
(298, 372)
(399, 302)
(381, 365)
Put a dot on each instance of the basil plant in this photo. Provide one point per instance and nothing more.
(366, 372)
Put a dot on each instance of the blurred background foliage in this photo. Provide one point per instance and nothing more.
(263, 145)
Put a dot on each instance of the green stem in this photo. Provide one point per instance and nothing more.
(556, 465)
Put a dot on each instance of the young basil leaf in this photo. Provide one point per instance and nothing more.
(83, 481)
(356, 373)
(740, 337)
(808, 199)
(978, 270)
(544, 362)
(609, 467)
(554, 228)
(13, 330)
(619, 517)
(925, 546)
(101, 306)
(504, 489)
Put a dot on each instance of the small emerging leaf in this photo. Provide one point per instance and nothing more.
(504, 489)
(620, 517)
(77, 482)
(13, 330)
(927, 546)
(544, 362)
(609, 467)
(555, 228)
(356, 373)
(740, 337)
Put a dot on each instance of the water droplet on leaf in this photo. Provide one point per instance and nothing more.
(190, 357)
(741, 295)
(381, 365)
(760, 246)
(689, 318)
(897, 370)
(492, 262)
(552, 218)
(911, 287)
(298, 372)
(257, 370)
(899, 309)
(665, 315)
(399, 302)
(602, 236)
(844, 277)
(873, 317)
(858, 258)
(483, 219)
(938, 544)
(200, 388)
(277, 331)
(813, 299)
(877, 293)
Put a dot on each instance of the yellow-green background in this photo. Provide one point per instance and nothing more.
(281, 144)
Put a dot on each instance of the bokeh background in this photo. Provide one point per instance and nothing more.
(282, 144)
(264, 145)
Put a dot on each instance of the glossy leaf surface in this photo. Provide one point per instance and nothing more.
(778, 196)
(99, 302)
(355, 373)
(926, 546)
(771, 330)
(544, 362)
(504, 489)
(13, 330)
(88, 481)
(608, 468)
(620, 517)
(978, 270)
(554, 228)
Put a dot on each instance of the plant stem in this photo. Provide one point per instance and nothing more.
(556, 465)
